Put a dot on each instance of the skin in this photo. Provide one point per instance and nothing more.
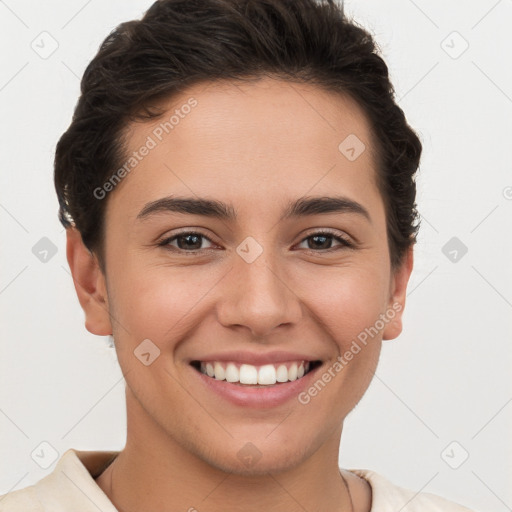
(255, 146)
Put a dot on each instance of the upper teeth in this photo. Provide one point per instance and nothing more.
(267, 374)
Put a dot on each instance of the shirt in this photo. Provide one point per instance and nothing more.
(71, 487)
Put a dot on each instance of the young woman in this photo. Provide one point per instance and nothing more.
(237, 185)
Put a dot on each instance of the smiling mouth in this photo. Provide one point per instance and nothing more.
(255, 376)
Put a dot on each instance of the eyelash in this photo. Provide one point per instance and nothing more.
(345, 243)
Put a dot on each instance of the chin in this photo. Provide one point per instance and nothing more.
(276, 463)
(256, 456)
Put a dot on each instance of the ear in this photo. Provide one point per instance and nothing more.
(89, 283)
(398, 289)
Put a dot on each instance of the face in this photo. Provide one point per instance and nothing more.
(247, 279)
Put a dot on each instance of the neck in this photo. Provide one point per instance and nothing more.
(155, 472)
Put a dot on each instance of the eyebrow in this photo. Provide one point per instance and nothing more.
(302, 207)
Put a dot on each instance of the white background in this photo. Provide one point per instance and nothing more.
(445, 379)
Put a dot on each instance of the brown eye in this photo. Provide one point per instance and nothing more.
(322, 241)
(187, 242)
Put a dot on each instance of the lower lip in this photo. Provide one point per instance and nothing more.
(257, 397)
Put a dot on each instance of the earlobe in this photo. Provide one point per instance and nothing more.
(398, 291)
(89, 284)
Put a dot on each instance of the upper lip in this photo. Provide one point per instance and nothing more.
(256, 359)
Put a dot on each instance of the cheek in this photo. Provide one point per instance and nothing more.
(164, 303)
(346, 301)
(159, 303)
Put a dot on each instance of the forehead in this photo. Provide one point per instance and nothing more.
(255, 141)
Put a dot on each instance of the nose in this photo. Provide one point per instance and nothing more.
(258, 296)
